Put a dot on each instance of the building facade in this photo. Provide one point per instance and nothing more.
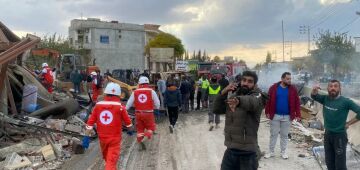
(113, 45)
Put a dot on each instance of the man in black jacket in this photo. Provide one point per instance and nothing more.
(243, 110)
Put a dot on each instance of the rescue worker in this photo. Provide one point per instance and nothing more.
(145, 100)
(95, 86)
(212, 91)
(108, 115)
(204, 86)
(46, 77)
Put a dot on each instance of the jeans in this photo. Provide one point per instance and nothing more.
(335, 150)
(173, 114)
(239, 160)
(279, 124)
(77, 87)
(212, 115)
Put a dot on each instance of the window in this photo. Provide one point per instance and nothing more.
(104, 39)
(86, 39)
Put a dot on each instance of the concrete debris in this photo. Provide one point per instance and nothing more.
(36, 161)
(64, 142)
(352, 157)
(48, 153)
(15, 161)
(73, 128)
(57, 124)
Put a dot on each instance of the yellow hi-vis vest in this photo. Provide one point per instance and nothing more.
(214, 91)
(205, 84)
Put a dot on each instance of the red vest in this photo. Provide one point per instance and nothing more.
(48, 76)
(108, 116)
(143, 99)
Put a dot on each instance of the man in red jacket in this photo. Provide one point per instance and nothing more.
(282, 107)
(108, 115)
(145, 100)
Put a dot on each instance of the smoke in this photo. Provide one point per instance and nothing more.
(272, 74)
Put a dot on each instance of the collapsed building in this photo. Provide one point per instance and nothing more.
(37, 128)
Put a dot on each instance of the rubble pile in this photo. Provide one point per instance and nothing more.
(38, 130)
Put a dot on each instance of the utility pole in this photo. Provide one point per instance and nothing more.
(289, 44)
(303, 30)
(282, 28)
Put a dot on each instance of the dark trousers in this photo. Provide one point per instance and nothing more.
(198, 99)
(173, 114)
(335, 150)
(185, 102)
(192, 96)
(77, 87)
(239, 160)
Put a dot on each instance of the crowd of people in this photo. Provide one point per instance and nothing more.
(241, 101)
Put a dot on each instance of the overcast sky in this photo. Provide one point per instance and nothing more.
(246, 29)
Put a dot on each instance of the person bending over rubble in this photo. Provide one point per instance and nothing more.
(108, 115)
(145, 100)
(243, 110)
(335, 112)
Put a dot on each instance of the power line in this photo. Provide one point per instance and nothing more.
(351, 22)
(331, 13)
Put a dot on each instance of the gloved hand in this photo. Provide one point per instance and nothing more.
(86, 142)
(130, 131)
(157, 112)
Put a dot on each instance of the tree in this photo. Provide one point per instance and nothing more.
(166, 40)
(199, 56)
(335, 50)
(216, 59)
(194, 56)
(268, 58)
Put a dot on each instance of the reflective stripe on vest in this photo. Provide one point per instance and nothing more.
(212, 91)
(205, 84)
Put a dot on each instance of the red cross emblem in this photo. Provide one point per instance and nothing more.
(113, 91)
(106, 117)
(142, 98)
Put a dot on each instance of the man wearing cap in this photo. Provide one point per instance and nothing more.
(108, 115)
(145, 100)
(46, 77)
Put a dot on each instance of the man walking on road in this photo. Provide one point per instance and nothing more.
(108, 115)
(243, 110)
(172, 99)
(212, 92)
(192, 92)
(335, 112)
(145, 100)
(185, 88)
(282, 107)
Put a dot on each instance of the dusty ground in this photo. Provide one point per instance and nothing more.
(191, 147)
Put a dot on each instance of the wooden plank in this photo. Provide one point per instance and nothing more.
(2, 77)
(10, 96)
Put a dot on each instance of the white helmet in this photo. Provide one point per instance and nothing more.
(113, 89)
(93, 73)
(44, 65)
(143, 80)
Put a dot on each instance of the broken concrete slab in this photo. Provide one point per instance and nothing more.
(73, 128)
(26, 146)
(48, 153)
(14, 161)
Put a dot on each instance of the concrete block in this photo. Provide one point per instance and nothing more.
(14, 161)
(48, 153)
(64, 142)
(36, 161)
(73, 128)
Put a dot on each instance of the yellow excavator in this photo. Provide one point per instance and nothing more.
(126, 89)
